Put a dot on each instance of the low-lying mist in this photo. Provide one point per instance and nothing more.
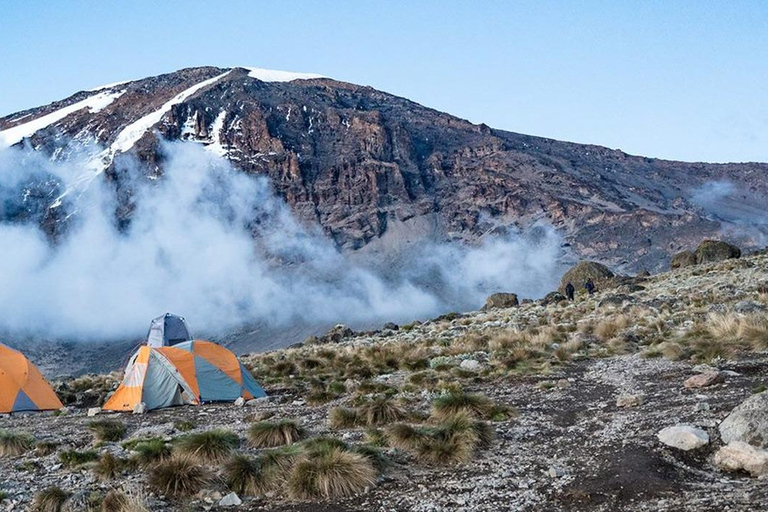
(742, 213)
(219, 247)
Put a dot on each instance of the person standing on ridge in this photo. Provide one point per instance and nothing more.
(589, 286)
(569, 291)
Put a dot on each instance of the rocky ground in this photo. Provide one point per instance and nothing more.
(607, 374)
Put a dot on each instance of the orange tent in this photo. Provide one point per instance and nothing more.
(191, 372)
(22, 386)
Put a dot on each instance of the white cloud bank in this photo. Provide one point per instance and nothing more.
(190, 249)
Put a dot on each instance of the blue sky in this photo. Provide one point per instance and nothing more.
(673, 79)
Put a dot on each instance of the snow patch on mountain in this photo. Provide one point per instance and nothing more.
(272, 75)
(215, 146)
(131, 134)
(95, 103)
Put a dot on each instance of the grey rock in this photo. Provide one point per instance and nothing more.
(230, 500)
(748, 422)
(683, 437)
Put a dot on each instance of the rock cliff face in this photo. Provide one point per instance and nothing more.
(361, 163)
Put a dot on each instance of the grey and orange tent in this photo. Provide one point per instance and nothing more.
(190, 372)
(22, 386)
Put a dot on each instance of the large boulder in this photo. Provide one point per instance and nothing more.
(711, 251)
(584, 271)
(683, 259)
(501, 300)
(748, 422)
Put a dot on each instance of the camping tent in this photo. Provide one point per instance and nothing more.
(191, 372)
(168, 330)
(22, 386)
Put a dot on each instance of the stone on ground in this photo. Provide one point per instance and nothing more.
(230, 500)
(683, 437)
(740, 456)
(630, 400)
(705, 379)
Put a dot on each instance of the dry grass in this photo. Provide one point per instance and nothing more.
(211, 446)
(179, 476)
(118, 501)
(51, 499)
(15, 444)
(723, 327)
(268, 434)
(753, 329)
(609, 328)
(343, 418)
(331, 474)
(108, 467)
(381, 411)
(107, 431)
(456, 402)
(150, 451)
(45, 448)
(244, 476)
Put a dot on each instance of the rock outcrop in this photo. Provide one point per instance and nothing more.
(712, 251)
(584, 271)
(501, 300)
(683, 259)
(748, 422)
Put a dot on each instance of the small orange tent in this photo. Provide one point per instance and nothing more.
(191, 372)
(22, 386)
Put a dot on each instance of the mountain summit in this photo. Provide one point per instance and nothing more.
(377, 172)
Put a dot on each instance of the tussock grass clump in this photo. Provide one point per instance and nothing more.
(269, 434)
(14, 444)
(179, 476)
(334, 473)
(610, 327)
(150, 451)
(118, 501)
(244, 476)
(723, 327)
(403, 436)
(51, 499)
(74, 458)
(457, 401)
(107, 431)
(754, 330)
(211, 446)
(44, 448)
(108, 467)
(184, 426)
(453, 441)
(343, 417)
(277, 463)
(381, 411)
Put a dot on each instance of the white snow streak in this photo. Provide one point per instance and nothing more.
(216, 147)
(272, 75)
(94, 103)
(134, 131)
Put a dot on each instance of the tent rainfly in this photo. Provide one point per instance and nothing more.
(22, 386)
(168, 330)
(190, 372)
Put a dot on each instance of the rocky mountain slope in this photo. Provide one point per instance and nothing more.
(377, 172)
(615, 401)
